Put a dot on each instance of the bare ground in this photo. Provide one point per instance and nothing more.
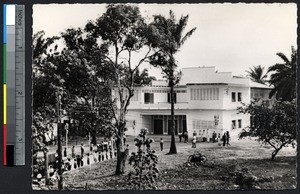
(173, 175)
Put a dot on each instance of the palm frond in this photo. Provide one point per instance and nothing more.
(187, 35)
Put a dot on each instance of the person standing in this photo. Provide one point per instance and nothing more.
(207, 135)
(194, 141)
(194, 133)
(227, 138)
(224, 138)
(214, 136)
(161, 144)
(186, 137)
(65, 152)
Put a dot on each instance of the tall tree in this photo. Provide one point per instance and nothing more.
(170, 36)
(256, 74)
(123, 31)
(283, 77)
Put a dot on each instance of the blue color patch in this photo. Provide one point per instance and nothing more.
(4, 23)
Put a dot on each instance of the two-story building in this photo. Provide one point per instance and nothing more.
(205, 101)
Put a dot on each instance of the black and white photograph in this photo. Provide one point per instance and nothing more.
(164, 96)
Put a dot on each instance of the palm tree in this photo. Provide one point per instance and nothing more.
(284, 77)
(142, 78)
(256, 74)
(170, 34)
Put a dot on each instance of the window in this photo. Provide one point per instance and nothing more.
(233, 97)
(240, 123)
(169, 99)
(149, 98)
(239, 96)
(233, 124)
(192, 94)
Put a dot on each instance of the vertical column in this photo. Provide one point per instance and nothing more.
(20, 85)
(4, 85)
(10, 84)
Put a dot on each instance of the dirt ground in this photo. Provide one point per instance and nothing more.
(173, 175)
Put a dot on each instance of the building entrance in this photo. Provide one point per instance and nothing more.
(158, 126)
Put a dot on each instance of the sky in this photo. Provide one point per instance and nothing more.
(231, 37)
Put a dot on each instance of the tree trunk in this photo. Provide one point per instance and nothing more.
(120, 157)
(274, 153)
(173, 149)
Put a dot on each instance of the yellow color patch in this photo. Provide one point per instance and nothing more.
(4, 104)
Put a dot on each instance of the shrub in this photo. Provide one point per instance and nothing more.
(144, 162)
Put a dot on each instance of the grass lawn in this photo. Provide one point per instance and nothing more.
(174, 175)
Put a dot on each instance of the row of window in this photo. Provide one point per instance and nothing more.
(233, 96)
(196, 94)
(239, 122)
(204, 93)
(149, 98)
(202, 124)
(163, 91)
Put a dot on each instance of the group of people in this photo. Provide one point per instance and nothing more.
(104, 151)
(226, 138)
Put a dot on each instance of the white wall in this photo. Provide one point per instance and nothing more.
(230, 115)
(227, 99)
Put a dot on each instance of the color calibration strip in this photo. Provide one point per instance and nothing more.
(14, 88)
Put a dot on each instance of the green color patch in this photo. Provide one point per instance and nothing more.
(4, 63)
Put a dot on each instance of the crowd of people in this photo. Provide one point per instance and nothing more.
(103, 151)
(214, 138)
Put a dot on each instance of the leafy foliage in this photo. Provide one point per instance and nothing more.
(284, 77)
(272, 122)
(256, 74)
(144, 162)
(123, 33)
(143, 78)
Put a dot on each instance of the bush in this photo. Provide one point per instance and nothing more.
(144, 162)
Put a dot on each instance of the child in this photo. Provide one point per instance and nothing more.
(161, 144)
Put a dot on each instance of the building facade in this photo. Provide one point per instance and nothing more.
(205, 101)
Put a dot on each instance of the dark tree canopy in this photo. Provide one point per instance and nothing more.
(272, 122)
(283, 77)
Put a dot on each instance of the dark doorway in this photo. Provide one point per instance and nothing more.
(169, 127)
(184, 125)
(158, 126)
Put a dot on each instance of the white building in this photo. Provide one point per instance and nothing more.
(206, 101)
